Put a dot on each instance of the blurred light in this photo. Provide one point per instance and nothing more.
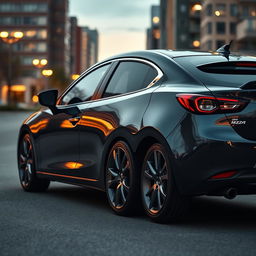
(197, 7)
(157, 34)
(30, 33)
(47, 72)
(156, 19)
(217, 13)
(16, 88)
(196, 43)
(4, 34)
(35, 99)
(43, 62)
(18, 34)
(36, 62)
(253, 13)
(75, 76)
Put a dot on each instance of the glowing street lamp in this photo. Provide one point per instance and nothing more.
(156, 19)
(40, 63)
(47, 73)
(10, 38)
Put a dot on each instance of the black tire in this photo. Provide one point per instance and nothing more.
(122, 180)
(160, 197)
(26, 166)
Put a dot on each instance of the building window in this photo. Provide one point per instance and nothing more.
(30, 47)
(23, 7)
(219, 43)
(221, 27)
(209, 45)
(24, 20)
(209, 10)
(220, 10)
(232, 28)
(245, 11)
(233, 10)
(209, 28)
(183, 8)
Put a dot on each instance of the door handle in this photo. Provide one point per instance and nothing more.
(74, 120)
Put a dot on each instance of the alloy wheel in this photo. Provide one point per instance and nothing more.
(154, 181)
(118, 177)
(25, 161)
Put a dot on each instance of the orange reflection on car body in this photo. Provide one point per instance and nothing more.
(66, 124)
(105, 126)
(73, 165)
(35, 128)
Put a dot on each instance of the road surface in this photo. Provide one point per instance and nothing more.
(69, 220)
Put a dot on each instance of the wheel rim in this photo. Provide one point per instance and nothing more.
(155, 181)
(118, 177)
(25, 161)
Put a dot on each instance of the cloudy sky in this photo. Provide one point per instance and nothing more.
(121, 24)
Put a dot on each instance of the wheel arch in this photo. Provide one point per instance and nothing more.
(25, 130)
(139, 143)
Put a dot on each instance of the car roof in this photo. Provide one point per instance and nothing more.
(177, 53)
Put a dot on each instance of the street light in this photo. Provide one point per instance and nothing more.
(40, 63)
(47, 73)
(10, 38)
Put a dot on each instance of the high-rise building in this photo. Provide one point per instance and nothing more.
(153, 33)
(46, 36)
(74, 30)
(218, 23)
(246, 26)
(89, 47)
(226, 20)
(180, 24)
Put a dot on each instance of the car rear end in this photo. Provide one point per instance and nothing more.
(220, 155)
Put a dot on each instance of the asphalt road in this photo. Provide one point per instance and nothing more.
(69, 220)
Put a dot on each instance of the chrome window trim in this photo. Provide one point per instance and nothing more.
(94, 67)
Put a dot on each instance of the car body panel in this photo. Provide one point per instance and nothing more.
(200, 145)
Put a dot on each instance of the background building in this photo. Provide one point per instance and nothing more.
(44, 24)
(180, 24)
(218, 23)
(48, 34)
(153, 33)
(89, 47)
(223, 21)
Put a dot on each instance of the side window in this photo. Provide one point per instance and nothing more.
(85, 88)
(130, 76)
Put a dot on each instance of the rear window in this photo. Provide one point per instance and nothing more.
(217, 70)
(235, 68)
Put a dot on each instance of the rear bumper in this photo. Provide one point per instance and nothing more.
(198, 153)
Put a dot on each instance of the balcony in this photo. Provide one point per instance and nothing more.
(246, 30)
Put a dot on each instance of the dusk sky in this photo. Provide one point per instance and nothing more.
(121, 24)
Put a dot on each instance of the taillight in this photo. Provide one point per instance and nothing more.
(207, 104)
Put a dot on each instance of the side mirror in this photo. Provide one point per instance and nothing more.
(48, 99)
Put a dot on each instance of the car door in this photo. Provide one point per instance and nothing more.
(121, 105)
(59, 141)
